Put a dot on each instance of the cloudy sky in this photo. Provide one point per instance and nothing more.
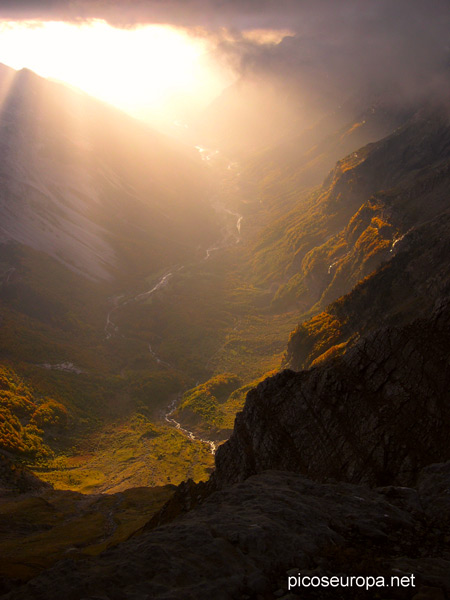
(206, 45)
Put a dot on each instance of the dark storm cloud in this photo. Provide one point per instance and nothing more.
(399, 47)
(191, 13)
(298, 14)
(335, 43)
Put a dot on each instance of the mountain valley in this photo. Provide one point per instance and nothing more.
(226, 369)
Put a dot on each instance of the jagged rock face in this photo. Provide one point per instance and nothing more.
(375, 415)
(242, 541)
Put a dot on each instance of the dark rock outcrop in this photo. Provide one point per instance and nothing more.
(244, 541)
(17, 478)
(376, 415)
(339, 469)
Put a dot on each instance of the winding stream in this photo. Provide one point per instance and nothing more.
(174, 423)
(112, 329)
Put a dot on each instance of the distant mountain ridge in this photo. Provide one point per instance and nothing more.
(94, 207)
(92, 187)
(340, 462)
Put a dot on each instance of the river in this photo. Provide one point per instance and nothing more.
(111, 329)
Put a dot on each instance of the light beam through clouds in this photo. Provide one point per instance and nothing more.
(154, 72)
(167, 60)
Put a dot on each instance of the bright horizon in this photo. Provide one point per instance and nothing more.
(156, 73)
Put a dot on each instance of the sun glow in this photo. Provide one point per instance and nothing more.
(154, 72)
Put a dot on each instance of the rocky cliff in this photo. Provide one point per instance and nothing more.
(370, 401)
(245, 541)
(340, 464)
(375, 415)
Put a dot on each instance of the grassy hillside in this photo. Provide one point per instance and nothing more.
(41, 529)
(341, 232)
(108, 360)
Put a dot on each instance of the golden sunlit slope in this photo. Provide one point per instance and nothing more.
(92, 187)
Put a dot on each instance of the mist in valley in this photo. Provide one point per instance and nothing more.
(225, 267)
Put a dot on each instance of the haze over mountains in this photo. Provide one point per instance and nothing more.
(93, 188)
(95, 208)
(298, 278)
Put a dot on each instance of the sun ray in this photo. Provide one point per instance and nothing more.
(148, 70)
(7, 77)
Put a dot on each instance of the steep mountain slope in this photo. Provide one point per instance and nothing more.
(305, 157)
(327, 241)
(407, 286)
(373, 406)
(372, 409)
(339, 234)
(90, 186)
(405, 228)
(94, 208)
(376, 415)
